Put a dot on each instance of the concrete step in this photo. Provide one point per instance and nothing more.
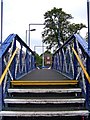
(62, 90)
(44, 113)
(43, 101)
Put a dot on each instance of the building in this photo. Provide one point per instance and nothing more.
(48, 58)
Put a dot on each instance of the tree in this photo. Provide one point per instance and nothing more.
(58, 26)
(38, 60)
(46, 52)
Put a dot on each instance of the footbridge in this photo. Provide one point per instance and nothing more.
(60, 92)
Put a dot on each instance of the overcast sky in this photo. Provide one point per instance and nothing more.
(18, 14)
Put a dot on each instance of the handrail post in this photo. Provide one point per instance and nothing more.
(14, 61)
(87, 84)
(62, 60)
(88, 58)
(75, 60)
(20, 57)
(33, 65)
(1, 94)
(27, 68)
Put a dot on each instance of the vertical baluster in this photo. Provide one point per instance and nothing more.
(14, 60)
(62, 61)
(27, 61)
(20, 57)
(59, 60)
(75, 61)
(1, 90)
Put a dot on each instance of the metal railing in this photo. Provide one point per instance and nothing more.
(7, 67)
(71, 59)
(16, 60)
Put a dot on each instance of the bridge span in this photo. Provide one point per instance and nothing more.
(62, 92)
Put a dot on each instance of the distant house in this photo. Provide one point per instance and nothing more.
(48, 58)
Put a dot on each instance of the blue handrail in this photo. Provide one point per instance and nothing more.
(23, 62)
(65, 61)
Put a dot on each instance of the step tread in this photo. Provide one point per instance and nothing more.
(44, 101)
(45, 113)
(69, 90)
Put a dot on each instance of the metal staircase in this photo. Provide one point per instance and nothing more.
(36, 101)
(44, 95)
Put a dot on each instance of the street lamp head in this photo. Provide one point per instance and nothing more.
(33, 30)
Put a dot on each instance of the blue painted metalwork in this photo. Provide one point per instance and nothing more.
(1, 102)
(87, 84)
(88, 57)
(30, 61)
(82, 43)
(75, 62)
(1, 97)
(6, 44)
(27, 69)
(20, 57)
(65, 62)
(14, 61)
(1, 62)
(33, 63)
(62, 60)
(20, 64)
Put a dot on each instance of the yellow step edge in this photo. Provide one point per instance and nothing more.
(44, 81)
(59, 82)
(37, 84)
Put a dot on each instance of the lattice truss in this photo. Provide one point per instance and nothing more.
(83, 58)
(22, 63)
(6, 58)
(64, 62)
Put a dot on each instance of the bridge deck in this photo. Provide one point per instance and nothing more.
(43, 74)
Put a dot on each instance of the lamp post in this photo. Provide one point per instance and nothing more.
(29, 38)
(32, 29)
(1, 21)
(88, 15)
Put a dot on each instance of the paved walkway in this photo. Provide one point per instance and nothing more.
(43, 74)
